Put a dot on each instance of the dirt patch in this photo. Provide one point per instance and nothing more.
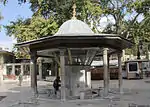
(2, 97)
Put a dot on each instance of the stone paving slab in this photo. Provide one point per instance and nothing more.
(136, 92)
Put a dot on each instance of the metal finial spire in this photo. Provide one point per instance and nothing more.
(74, 10)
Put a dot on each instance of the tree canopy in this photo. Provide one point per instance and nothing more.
(55, 11)
(1, 17)
(131, 18)
(33, 28)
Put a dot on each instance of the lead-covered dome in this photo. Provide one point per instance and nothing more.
(74, 26)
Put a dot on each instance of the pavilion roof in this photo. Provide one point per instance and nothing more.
(76, 34)
(79, 41)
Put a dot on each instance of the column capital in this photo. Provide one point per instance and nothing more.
(32, 51)
(119, 54)
(119, 51)
(33, 54)
(105, 49)
(40, 60)
(62, 52)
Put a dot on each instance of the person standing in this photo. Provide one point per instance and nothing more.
(20, 79)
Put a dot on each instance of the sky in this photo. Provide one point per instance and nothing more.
(11, 11)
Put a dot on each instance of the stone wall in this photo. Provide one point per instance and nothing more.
(97, 73)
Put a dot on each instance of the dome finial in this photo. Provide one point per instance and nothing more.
(74, 10)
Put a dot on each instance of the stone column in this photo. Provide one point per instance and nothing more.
(108, 71)
(62, 74)
(40, 69)
(148, 55)
(33, 70)
(22, 69)
(120, 73)
(149, 60)
(13, 69)
(123, 56)
(1, 74)
(87, 77)
(56, 70)
(5, 69)
(105, 65)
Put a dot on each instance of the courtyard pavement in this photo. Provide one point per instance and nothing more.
(136, 94)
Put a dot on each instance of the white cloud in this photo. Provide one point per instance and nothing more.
(8, 43)
(14, 41)
(105, 21)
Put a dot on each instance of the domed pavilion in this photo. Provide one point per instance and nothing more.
(74, 47)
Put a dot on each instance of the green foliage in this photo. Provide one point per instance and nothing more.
(56, 10)
(19, 1)
(125, 14)
(3, 1)
(86, 10)
(145, 28)
(119, 9)
(21, 54)
(1, 17)
(47, 14)
(29, 29)
(89, 11)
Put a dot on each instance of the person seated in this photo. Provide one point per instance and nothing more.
(56, 84)
(138, 74)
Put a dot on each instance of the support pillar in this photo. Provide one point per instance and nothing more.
(56, 70)
(108, 72)
(13, 69)
(5, 69)
(105, 65)
(33, 68)
(86, 77)
(22, 70)
(1, 74)
(62, 74)
(120, 73)
(40, 69)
